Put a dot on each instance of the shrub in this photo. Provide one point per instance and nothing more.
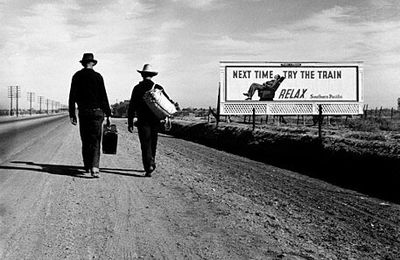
(371, 124)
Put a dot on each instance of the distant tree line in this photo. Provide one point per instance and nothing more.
(192, 111)
(120, 109)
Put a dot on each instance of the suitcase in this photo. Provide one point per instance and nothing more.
(158, 103)
(110, 139)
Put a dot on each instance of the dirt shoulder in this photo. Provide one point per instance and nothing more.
(354, 160)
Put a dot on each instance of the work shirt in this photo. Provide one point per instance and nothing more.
(137, 106)
(88, 91)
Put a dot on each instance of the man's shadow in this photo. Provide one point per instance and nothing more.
(69, 170)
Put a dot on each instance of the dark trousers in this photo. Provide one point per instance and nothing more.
(253, 88)
(148, 136)
(90, 124)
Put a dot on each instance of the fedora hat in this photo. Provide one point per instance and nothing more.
(88, 57)
(147, 70)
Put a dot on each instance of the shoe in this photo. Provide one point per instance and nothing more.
(246, 94)
(249, 98)
(149, 171)
(95, 172)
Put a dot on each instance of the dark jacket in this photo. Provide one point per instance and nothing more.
(268, 92)
(88, 91)
(137, 106)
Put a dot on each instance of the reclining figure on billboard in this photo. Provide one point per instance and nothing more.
(266, 91)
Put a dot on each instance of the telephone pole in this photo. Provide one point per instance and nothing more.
(14, 92)
(57, 107)
(31, 98)
(41, 99)
(47, 105)
(17, 96)
(11, 96)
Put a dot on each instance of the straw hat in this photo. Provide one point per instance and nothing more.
(147, 70)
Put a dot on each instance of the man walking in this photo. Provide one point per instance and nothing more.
(147, 123)
(88, 91)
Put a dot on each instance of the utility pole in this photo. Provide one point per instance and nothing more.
(47, 105)
(14, 92)
(17, 96)
(31, 98)
(41, 99)
(11, 96)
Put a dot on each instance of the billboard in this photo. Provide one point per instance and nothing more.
(263, 83)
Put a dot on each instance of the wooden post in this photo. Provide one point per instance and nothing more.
(254, 118)
(364, 111)
(218, 104)
(320, 122)
(391, 114)
(266, 119)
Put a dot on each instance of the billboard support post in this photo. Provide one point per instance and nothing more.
(254, 118)
(320, 122)
(218, 105)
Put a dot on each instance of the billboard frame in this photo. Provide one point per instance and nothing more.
(294, 107)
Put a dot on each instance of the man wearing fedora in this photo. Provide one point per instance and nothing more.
(89, 92)
(146, 122)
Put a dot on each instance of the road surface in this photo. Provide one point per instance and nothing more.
(201, 203)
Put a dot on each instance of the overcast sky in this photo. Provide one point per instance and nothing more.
(42, 41)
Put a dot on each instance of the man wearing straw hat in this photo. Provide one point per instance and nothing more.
(88, 91)
(147, 123)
